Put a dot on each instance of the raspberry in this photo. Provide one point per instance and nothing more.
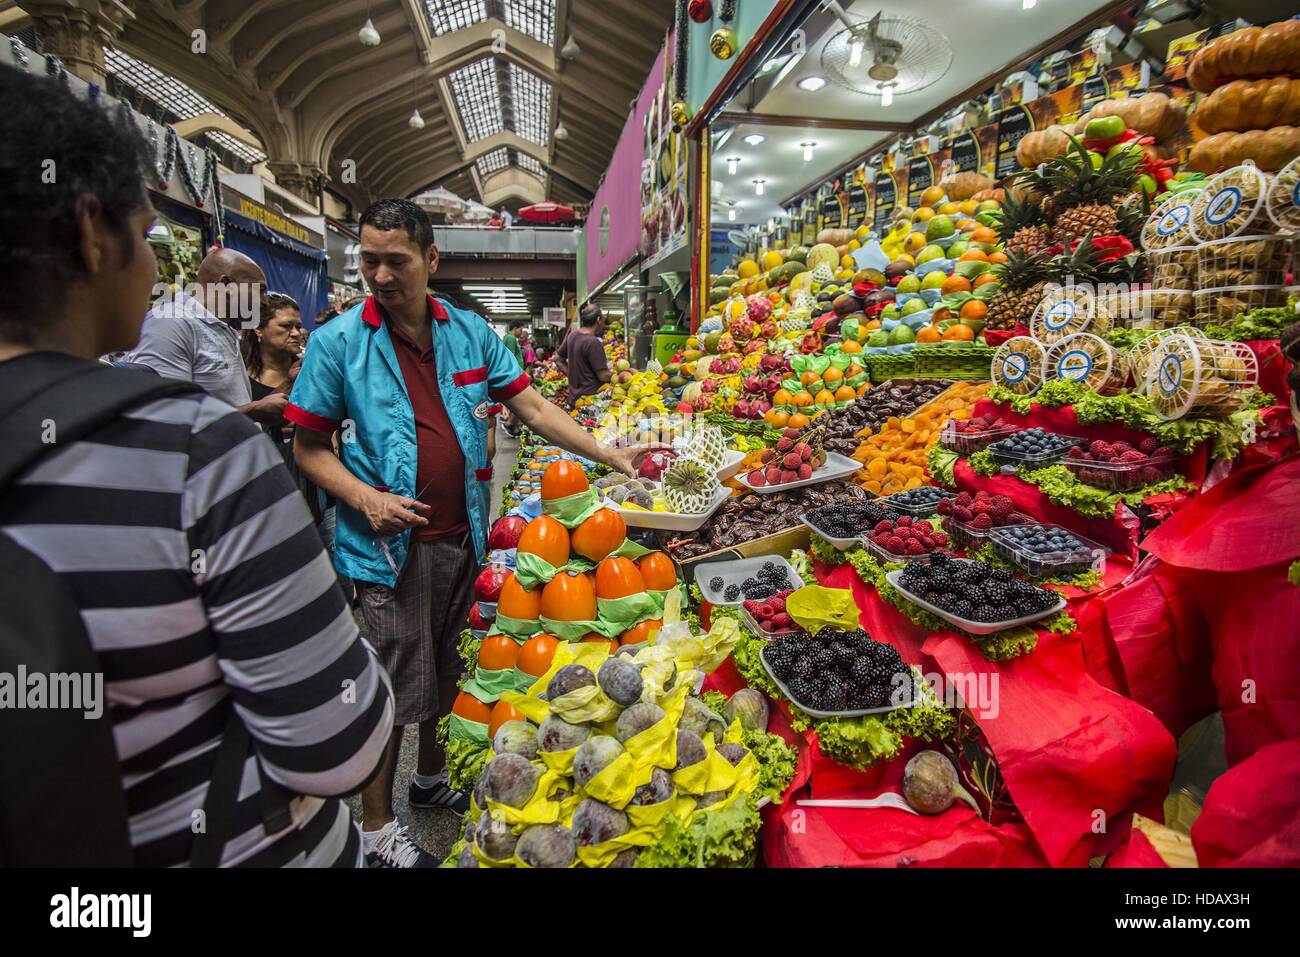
(884, 525)
(945, 506)
(1132, 455)
(1149, 444)
(980, 508)
(781, 621)
(1020, 517)
(1101, 449)
(778, 603)
(940, 539)
(895, 544)
(751, 606)
(765, 612)
(904, 521)
(962, 515)
(1150, 476)
(983, 522)
(1162, 453)
(1121, 447)
(915, 548)
(964, 499)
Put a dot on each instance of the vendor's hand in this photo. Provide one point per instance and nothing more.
(625, 460)
(270, 410)
(389, 514)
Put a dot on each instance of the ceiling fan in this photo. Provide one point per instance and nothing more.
(885, 56)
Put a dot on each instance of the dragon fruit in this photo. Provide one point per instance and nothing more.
(742, 329)
(759, 308)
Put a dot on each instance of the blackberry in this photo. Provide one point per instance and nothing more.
(715, 583)
(803, 690)
(861, 669)
(997, 593)
(987, 613)
(823, 661)
(803, 667)
(962, 608)
(732, 593)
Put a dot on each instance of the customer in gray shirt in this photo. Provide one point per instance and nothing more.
(196, 337)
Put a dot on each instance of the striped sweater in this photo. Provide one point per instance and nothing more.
(200, 578)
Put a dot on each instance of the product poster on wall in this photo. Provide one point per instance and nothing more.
(664, 183)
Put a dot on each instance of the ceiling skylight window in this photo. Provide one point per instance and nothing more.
(493, 162)
(183, 101)
(476, 90)
(530, 98)
(530, 163)
(536, 18)
(448, 16)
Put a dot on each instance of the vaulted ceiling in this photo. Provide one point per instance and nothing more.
(487, 76)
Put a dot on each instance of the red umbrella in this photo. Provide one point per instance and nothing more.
(547, 212)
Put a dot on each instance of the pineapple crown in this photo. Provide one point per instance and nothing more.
(1073, 180)
(1088, 262)
(1016, 215)
(1021, 270)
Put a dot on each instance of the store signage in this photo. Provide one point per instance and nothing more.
(965, 152)
(1095, 89)
(832, 212)
(272, 220)
(920, 177)
(859, 205)
(1013, 124)
(886, 199)
(809, 221)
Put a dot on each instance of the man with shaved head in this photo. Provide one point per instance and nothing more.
(194, 334)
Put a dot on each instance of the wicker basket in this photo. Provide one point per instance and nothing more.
(886, 367)
(945, 362)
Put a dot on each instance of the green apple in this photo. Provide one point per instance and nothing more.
(934, 280)
(1104, 128)
(909, 283)
(939, 227)
(901, 335)
(988, 206)
(913, 306)
(931, 251)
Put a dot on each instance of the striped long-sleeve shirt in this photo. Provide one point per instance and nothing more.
(200, 578)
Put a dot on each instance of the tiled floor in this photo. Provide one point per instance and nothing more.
(436, 830)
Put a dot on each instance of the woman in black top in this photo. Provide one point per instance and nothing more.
(273, 356)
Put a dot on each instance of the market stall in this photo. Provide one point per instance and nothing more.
(976, 501)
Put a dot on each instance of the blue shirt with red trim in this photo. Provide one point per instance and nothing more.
(352, 381)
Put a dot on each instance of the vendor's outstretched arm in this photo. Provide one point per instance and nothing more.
(553, 424)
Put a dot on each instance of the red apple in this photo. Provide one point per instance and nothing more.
(487, 587)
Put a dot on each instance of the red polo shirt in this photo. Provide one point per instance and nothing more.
(440, 463)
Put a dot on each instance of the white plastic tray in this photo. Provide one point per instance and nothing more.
(970, 627)
(734, 572)
(841, 543)
(730, 464)
(762, 656)
(837, 467)
(672, 521)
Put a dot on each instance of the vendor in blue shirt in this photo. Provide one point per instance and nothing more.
(407, 381)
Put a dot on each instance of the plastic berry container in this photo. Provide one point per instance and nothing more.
(917, 511)
(1006, 456)
(966, 536)
(968, 443)
(1086, 556)
(736, 571)
(752, 624)
(1122, 476)
(886, 557)
(840, 543)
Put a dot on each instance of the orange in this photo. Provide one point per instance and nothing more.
(517, 602)
(984, 278)
(853, 371)
(955, 283)
(928, 334)
(471, 709)
(639, 633)
(845, 393)
(782, 397)
(940, 314)
(658, 572)
(803, 400)
(798, 420)
(536, 654)
(973, 255)
(547, 539)
(968, 225)
(959, 333)
(824, 397)
(973, 309)
(563, 478)
(832, 375)
(998, 258)
(851, 346)
(871, 325)
(776, 418)
(502, 712)
(808, 378)
(983, 234)
(923, 214)
(497, 653)
(569, 596)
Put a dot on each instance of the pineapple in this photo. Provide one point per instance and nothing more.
(1085, 266)
(1081, 197)
(1022, 226)
(1021, 282)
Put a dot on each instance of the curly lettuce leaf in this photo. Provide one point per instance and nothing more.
(464, 758)
(716, 700)
(1062, 487)
(723, 838)
(982, 463)
(857, 742)
(1008, 644)
(468, 648)
(776, 762)
(940, 462)
(1293, 574)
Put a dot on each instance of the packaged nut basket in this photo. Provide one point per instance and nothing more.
(1284, 198)
(1089, 359)
(1173, 267)
(1159, 308)
(1020, 365)
(1221, 306)
(1169, 225)
(1139, 357)
(1259, 260)
(1066, 310)
(1193, 374)
(1229, 203)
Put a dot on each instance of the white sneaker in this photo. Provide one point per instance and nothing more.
(392, 848)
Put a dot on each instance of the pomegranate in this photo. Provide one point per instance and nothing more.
(487, 587)
(653, 465)
(505, 532)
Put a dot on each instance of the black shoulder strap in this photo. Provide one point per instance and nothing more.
(49, 399)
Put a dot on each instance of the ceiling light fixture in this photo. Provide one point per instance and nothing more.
(368, 35)
(1029, 4)
(731, 165)
(855, 52)
(731, 215)
(758, 186)
(560, 132)
(886, 94)
(808, 151)
(812, 83)
(416, 122)
(570, 50)
(753, 139)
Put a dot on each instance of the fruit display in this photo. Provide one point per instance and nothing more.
(905, 538)
(838, 671)
(970, 518)
(1187, 373)
(968, 436)
(689, 486)
(1047, 550)
(975, 591)
(791, 460)
(769, 580)
(898, 398)
(752, 516)
(1120, 466)
(894, 458)
(1229, 204)
(769, 614)
(1035, 447)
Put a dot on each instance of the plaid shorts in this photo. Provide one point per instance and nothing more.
(416, 626)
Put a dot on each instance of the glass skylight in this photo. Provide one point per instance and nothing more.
(175, 97)
(448, 16)
(529, 162)
(533, 17)
(493, 162)
(477, 92)
(530, 101)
